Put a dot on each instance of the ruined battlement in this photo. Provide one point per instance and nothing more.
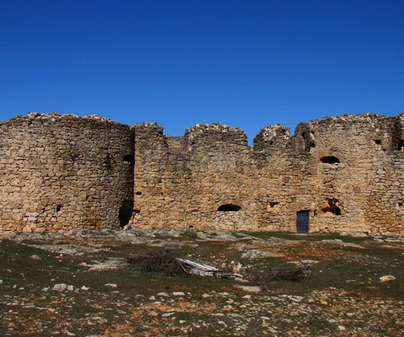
(333, 174)
(272, 137)
(215, 135)
(54, 116)
(372, 127)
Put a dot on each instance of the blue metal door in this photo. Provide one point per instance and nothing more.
(303, 221)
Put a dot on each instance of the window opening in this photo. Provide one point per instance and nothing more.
(229, 208)
(128, 159)
(107, 161)
(332, 207)
(329, 160)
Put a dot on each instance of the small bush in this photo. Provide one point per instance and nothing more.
(160, 261)
(279, 274)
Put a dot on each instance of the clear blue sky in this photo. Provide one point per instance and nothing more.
(242, 63)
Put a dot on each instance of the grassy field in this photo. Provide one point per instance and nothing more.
(342, 294)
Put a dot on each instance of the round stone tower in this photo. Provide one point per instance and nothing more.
(65, 172)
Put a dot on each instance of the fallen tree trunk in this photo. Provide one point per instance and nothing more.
(202, 269)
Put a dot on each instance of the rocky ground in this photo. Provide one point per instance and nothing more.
(79, 284)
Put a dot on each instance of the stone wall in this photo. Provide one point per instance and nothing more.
(65, 172)
(358, 182)
(343, 173)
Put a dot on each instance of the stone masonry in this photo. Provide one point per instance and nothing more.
(64, 172)
(334, 174)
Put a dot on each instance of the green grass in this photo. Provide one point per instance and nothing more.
(343, 268)
(308, 237)
(357, 269)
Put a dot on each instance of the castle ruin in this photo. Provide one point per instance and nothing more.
(62, 172)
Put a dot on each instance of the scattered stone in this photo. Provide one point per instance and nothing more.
(112, 285)
(274, 311)
(272, 329)
(250, 289)
(342, 243)
(256, 254)
(60, 287)
(387, 278)
(163, 294)
(112, 264)
(309, 261)
(35, 257)
(355, 234)
(178, 293)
